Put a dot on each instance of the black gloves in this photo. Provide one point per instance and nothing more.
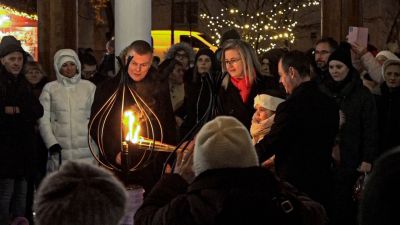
(54, 149)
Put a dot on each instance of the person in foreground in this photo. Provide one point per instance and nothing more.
(80, 194)
(379, 203)
(220, 182)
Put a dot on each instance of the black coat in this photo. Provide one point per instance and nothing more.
(389, 117)
(221, 196)
(302, 138)
(196, 102)
(156, 95)
(17, 131)
(358, 136)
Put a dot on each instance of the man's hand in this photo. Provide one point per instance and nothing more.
(184, 163)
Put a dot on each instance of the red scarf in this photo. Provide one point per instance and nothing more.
(244, 87)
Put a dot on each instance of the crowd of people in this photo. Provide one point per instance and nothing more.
(290, 135)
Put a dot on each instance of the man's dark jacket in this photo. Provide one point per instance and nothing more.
(225, 196)
(302, 138)
(156, 95)
(17, 131)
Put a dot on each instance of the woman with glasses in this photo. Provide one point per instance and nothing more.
(244, 80)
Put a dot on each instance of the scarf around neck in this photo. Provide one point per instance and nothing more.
(244, 87)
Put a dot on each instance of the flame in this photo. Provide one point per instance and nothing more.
(131, 127)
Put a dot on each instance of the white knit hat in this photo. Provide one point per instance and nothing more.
(268, 101)
(223, 143)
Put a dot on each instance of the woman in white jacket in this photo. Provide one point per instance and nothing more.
(67, 102)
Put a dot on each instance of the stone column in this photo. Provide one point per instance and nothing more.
(337, 16)
(132, 22)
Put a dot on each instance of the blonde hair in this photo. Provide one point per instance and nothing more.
(248, 56)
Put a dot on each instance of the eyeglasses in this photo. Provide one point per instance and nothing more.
(232, 61)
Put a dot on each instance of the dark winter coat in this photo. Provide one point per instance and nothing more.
(156, 96)
(196, 102)
(40, 154)
(389, 117)
(17, 131)
(358, 135)
(302, 138)
(222, 196)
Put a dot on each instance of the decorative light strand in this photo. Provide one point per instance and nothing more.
(265, 28)
(18, 13)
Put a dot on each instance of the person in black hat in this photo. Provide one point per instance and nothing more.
(356, 142)
(197, 94)
(19, 110)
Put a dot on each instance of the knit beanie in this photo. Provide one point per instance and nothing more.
(268, 101)
(207, 52)
(223, 143)
(342, 54)
(10, 44)
(230, 34)
(80, 194)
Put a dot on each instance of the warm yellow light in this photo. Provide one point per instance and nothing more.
(131, 127)
(5, 21)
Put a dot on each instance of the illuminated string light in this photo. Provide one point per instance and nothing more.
(266, 28)
(18, 13)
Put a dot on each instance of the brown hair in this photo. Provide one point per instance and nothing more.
(34, 66)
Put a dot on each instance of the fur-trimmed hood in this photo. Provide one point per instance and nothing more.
(180, 46)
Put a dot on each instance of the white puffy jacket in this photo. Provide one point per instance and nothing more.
(67, 103)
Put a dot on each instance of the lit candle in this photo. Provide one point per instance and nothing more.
(131, 127)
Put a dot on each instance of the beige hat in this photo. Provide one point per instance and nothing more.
(223, 143)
